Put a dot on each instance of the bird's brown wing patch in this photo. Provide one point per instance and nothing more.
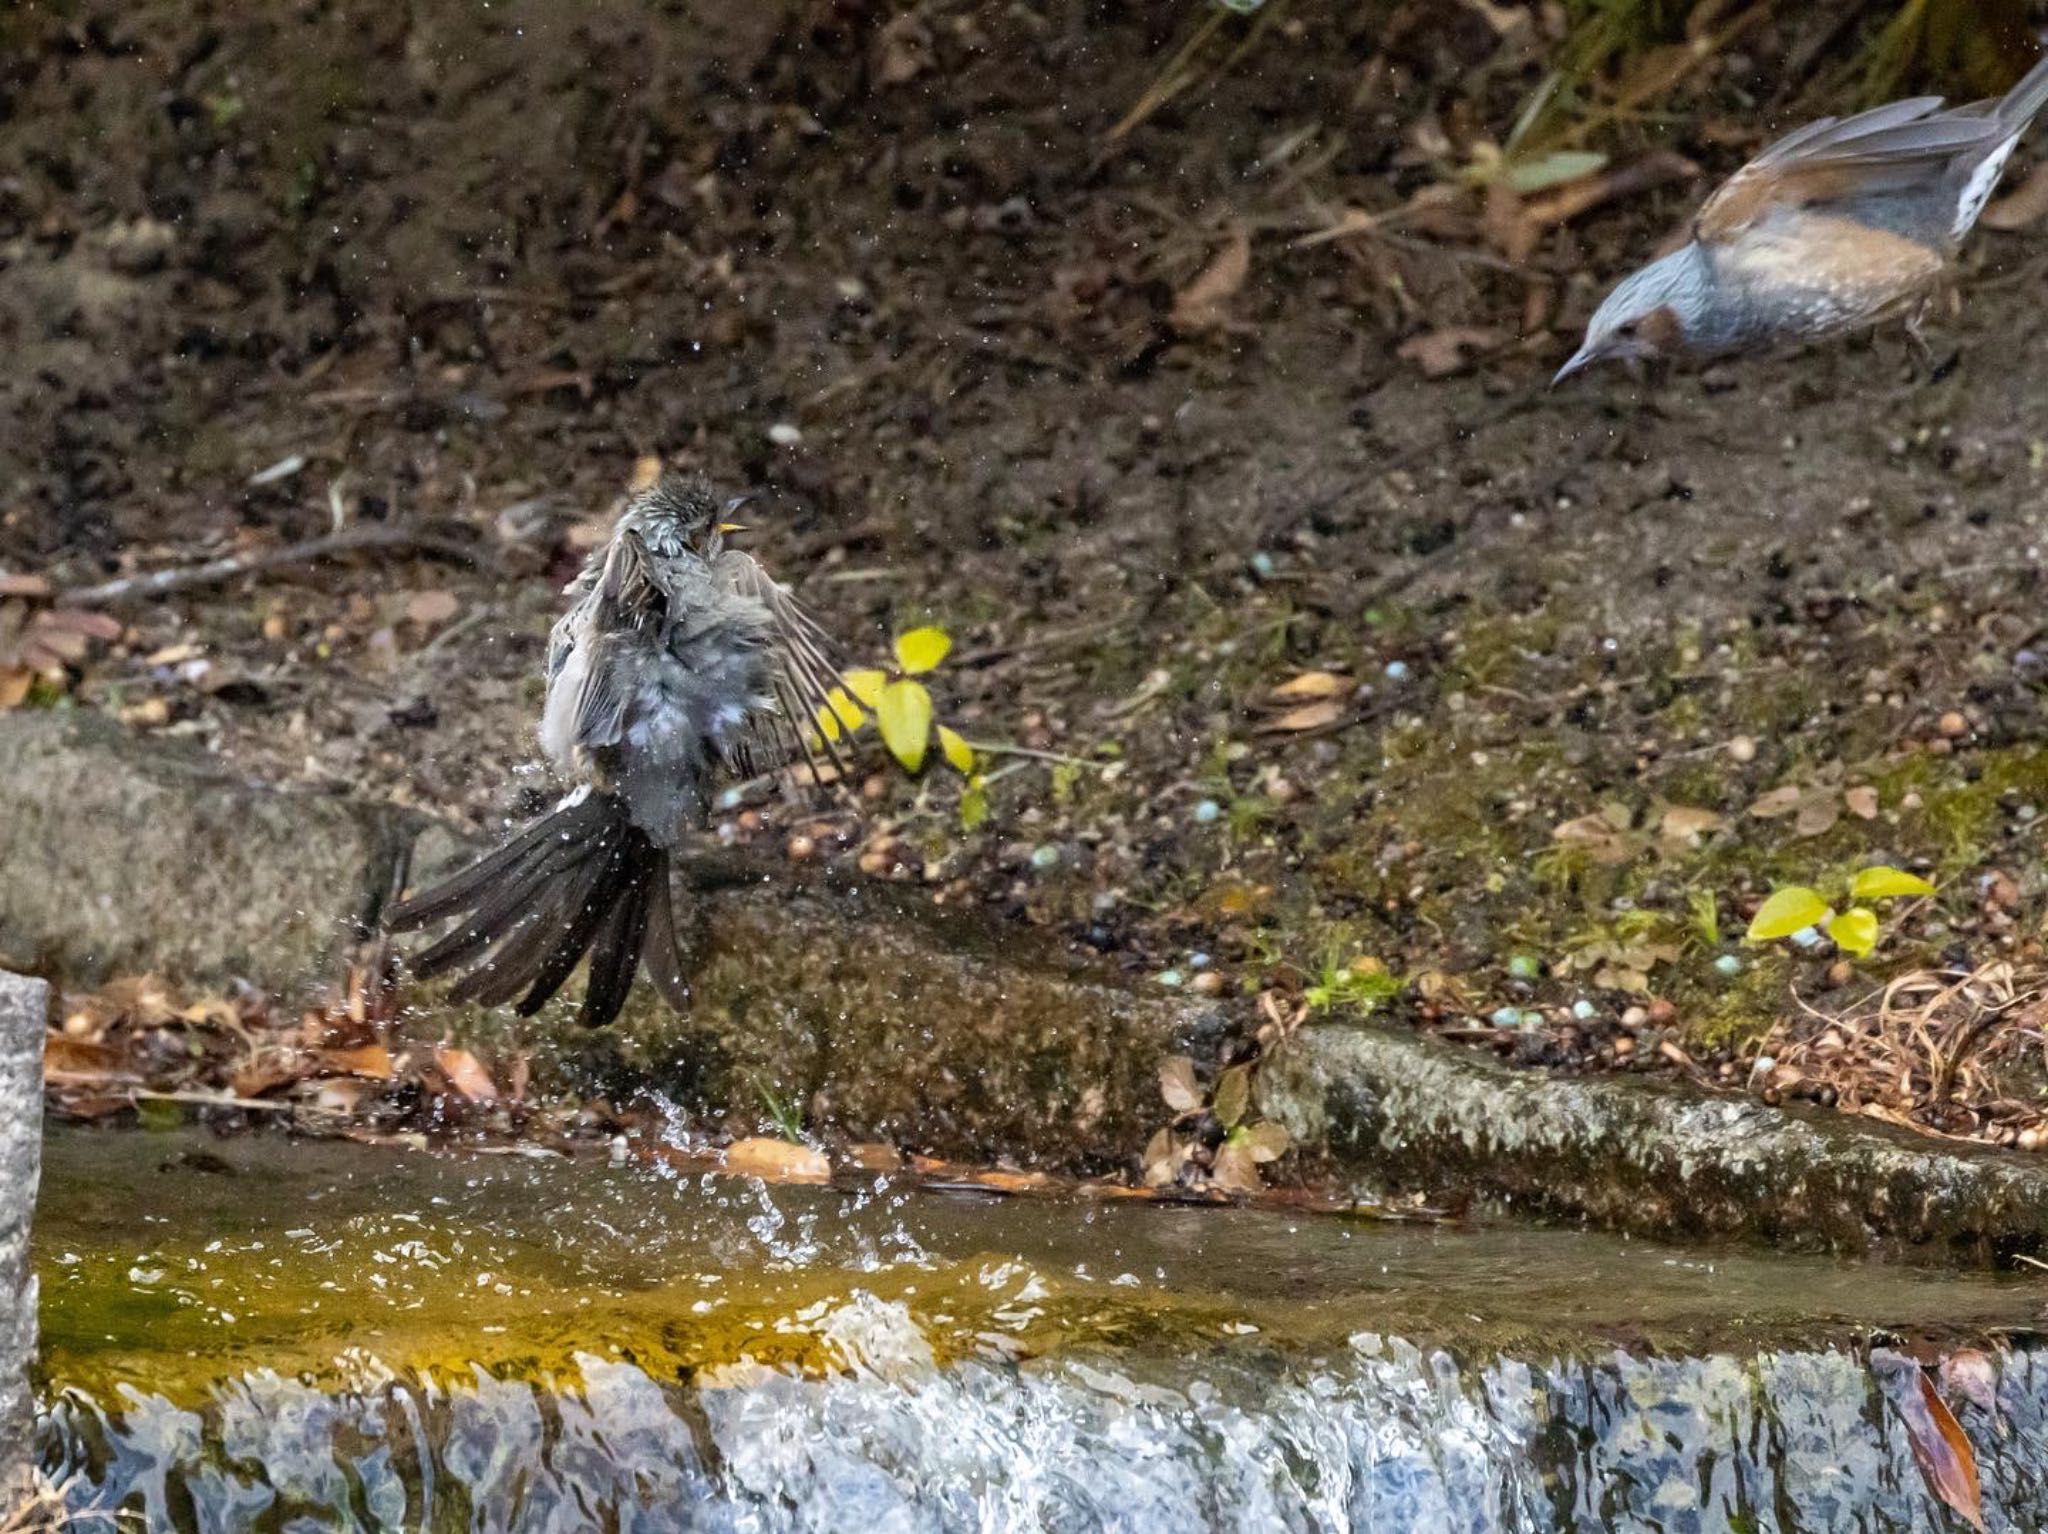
(1890, 148)
(804, 676)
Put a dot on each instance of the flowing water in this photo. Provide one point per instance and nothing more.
(263, 1335)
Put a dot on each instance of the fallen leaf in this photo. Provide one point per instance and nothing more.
(77, 1057)
(268, 1069)
(1440, 353)
(874, 1157)
(1235, 1170)
(1177, 1084)
(1881, 883)
(1597, 835)
(1817, 815)
(1233, 1095)
(1779, 801)
(776, 1160)
(371, 1060)
(1310, 716)
(1686, 826)
(343, 1096)
(1312, 684)
(1862, 802)
(1942, 1450)
(2025, 204)
(1199, 306)
(465, 1074)
(431, 609)
(1264, 1142)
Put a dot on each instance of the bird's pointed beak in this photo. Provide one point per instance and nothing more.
(733, 505)
(1577, 361)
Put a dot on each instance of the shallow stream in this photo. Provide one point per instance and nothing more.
(267, 1335)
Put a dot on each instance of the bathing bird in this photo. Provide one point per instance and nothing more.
(678, 661)
(1842, 224)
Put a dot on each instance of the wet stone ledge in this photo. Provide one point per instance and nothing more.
(1394, 1109)
(885, 1019)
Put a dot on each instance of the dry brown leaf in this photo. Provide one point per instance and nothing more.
(1440, 353)
(1310, 716)
(1312, 684)
(1177, 1084)
(77, 1057)
(1779, 801)
(1598, 836)
(2025, 204)
(1199, 306)
(465, 1074)
(371, 1060)
(1265, 1142)
(776, 1160)
(1862, 802)
(269, 1069)
(1235, 1170)
(431, 609)
(1817, 815)
(1686, 826)
(873, 1156)
(1942, 1450)
(343, 1096)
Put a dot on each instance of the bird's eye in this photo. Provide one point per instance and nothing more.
(1628, 329)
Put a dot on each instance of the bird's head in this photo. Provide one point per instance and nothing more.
(683, 510)
(1653, 313)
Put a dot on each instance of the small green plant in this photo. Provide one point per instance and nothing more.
(902, 705)
(1796, 907)
(781, 1111)
(1362, 983)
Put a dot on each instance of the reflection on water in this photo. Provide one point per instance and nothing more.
(263, 1336)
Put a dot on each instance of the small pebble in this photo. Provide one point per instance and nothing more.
(1841, 972)
(1170, 977)
(1209, 983)
(2033, 1137)
(1045, 857)
(1662, 1012)
(1398, 671)
(1953, 724)
(784, 434)
(1207, 812)
(1525, 966)
(801, 847)
(1198, 961)
(1634, 1017)
(1583, 1010)
(1742, 749)
(1507, 1017)
(1262, 565)
(1623, 1047)
(1805, 937)
(1728, 964)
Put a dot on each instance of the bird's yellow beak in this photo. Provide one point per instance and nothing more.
(732, 527)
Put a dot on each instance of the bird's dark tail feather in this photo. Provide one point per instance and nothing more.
(582, 880)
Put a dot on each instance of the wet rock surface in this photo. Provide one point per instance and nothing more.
(1648, 1156)
(23, 1005)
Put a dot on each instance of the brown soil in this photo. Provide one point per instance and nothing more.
(470, 265)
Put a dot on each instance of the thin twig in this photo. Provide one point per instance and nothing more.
(364, 536)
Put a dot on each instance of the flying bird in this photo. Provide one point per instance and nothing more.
(1842, 224)
(679, 660)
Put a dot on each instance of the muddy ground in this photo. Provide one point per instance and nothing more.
(266, 270)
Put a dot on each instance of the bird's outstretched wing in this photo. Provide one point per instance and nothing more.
(1892, 148)
(803, 677)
